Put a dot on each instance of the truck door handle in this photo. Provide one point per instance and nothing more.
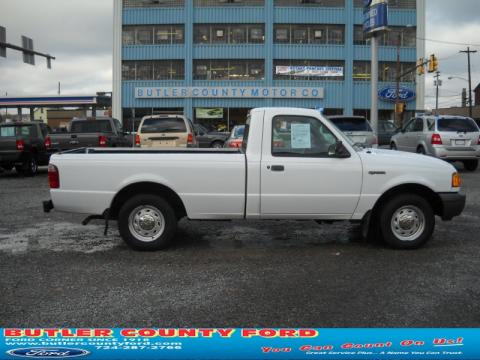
(277, 168)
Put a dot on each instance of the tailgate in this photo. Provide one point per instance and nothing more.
(74, 140)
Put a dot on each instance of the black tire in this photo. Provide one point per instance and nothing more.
(414, 208)
(158, 206)
(421, 150)
(217, 145)
(29, 167)
(393, 146)
(470, 165)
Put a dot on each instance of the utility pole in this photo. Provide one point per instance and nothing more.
(468, 52)
(437, 83)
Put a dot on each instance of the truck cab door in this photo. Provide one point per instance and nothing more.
(299, 179)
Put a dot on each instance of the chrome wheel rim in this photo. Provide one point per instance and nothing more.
(408, 223)
(146, 223)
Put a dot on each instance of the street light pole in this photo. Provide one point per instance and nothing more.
(437, 84)
(468, 52)
(374, 83)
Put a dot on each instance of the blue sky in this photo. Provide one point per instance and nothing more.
(79, 34)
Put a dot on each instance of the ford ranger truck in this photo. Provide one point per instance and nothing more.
(293, 164)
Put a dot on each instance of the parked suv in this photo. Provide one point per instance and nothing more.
(357, 128)
(165, 131)
(451, 138)
(24, 146)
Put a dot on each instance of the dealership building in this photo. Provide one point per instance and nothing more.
(213, 60)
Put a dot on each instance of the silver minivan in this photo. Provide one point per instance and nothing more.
(451, 138)
(357, 128)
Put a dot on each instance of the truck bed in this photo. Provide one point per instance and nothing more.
(211, 182)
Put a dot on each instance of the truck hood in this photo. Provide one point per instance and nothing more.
(392, 159)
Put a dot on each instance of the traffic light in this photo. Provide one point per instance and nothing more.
(432, 64)
(420, 67)
(399, 107)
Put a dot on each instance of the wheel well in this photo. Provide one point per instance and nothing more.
(147, 188)
(420, 146)
(421, 190)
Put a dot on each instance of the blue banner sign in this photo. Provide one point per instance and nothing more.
(233, 343)
(389, 93)
(229, 92)
(375, 16)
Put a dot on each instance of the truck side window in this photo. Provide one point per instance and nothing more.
(300, 136)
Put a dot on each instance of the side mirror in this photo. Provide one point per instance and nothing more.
(338, 150)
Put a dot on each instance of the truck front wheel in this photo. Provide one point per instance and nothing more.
(147, 222)
(406, 221)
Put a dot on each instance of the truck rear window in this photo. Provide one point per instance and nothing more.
(351, 124)
(15, 130)
(91, 126)
(163, 125)
(456, 125)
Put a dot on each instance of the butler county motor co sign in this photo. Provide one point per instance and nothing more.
(229, 92)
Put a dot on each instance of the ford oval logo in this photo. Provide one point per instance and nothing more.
(47, 352)
(389, 93)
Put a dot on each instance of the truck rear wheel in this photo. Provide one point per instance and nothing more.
(406, 221)
(147, 222)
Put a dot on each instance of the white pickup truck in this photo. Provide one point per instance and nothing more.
(294, 164)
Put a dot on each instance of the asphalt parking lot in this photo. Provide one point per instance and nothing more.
(56, 272)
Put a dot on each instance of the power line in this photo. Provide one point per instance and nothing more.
(448, 42)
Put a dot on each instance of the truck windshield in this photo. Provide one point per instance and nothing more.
(163, 125)
(457, 125)
(15, 130)
(91, 126)
(351, 124)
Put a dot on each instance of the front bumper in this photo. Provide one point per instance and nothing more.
(452, 204)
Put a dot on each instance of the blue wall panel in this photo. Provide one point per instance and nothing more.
(218, 15)
(385, 53)
(226, 51)
(312, 52)
(395, 17)
(153, 16)
(153, 52)
(306, 15)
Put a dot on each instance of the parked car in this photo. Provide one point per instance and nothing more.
(24, 146)
(451, 138)
(209, 139)
(165, 131)
(385, 131)
(90, 132)
(236, 137)
(357, 128)
(311, 176)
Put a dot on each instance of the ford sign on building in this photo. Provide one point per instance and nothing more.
(177, 56)
(389, 93)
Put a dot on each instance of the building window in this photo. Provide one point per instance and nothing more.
(323, 3)
(387, 71)
(228, 69)
(309, 34)
(394, 4)
(229, 3)
(153, 35)
(310, 70)
(389, 38)
(153, 3)
(229, 34)
(153, 70)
